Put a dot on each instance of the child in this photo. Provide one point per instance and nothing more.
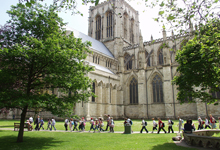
(42, 123)
(75, 125)
(53, 124)
(170, 125)
(71, 124)
(48, 124)
(154, 125)
(112, 125)
(101, 124)
(143, 126)
(96, 125)
(92, 124)
(161, 126)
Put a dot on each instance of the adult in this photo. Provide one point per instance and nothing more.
(207, 123)
(66, 124)
(31, 120)
(180, 123)
(154, 125)
(53, 124)
(37, 122)
(108, 122)
(188, 128)
(170, 125)
(161, 126)
(212, 121)
(143, 123)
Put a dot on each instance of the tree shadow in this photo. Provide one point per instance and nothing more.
(32, 143)
(168, 146)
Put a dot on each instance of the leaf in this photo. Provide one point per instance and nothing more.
(28, 4)
(161, 12)
(96, 2)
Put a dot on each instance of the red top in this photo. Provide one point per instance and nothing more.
(212, 120)
(160, 123)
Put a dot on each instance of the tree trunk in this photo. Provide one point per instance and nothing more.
(21, 129)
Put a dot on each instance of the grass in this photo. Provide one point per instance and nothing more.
(118, 125)
(77, 140)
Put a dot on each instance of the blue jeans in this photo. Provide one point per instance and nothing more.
(53, 127)
(92, 127)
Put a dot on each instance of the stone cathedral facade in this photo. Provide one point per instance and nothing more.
(133, 78)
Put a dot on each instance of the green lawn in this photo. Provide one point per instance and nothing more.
(84, 140)
(78, 140)
(118, 125)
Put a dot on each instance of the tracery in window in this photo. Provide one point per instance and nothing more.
(93, 90)
(109, 24)
(157, 85)
(125, 25)
(98, 28)
(128, 62)
(160, 56)
(132, 31)
(133, 91)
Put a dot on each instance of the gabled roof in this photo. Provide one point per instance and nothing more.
(101, 68)
(96, 45)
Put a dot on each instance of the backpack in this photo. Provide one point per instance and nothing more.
(182, 120)
(163, 124)
(172, 122)
(145, 123)
(75, 123)
(131, 122)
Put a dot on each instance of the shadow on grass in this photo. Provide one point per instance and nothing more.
(169, 146)
(32, 143)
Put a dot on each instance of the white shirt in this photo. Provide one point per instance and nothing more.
(31, 119)
(169, 122)
(53, 122)
(91, 122)
(66, 121)
(206, 122)
(143, 123)
(154, 123)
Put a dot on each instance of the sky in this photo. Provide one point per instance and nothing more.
(148, 26)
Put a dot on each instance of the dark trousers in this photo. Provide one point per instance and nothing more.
(154, 128)
(66, 126)
(144, 128)
(107, 127)
(75, 127)
(112, 129)
(37, 126)
(41, 126)
(207, 126)
(48, 126)
(200, 127)
(91, 127)
(160, 129)
(170, 128)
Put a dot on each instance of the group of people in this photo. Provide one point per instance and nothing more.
(98, 124)
(210, 123)
(39, 123)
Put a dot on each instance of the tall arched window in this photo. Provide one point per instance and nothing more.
(133, 91)
(98, 28)
(128, 62)
(125, 25)
(147, 57)
(132, 31)
(157, 85)
(160, 57)
(109, 24)
(93, 90)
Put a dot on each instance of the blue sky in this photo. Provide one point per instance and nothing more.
(147, 25)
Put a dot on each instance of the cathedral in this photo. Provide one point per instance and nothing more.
(132, 78)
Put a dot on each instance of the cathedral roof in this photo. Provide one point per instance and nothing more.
(101, 68)
(96, 45)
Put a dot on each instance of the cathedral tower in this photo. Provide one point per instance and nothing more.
(112, 22)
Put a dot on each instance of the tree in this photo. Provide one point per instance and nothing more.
(179, 14)
(199, 65)
(61, 4)
(36, 56)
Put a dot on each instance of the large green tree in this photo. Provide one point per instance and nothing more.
(36, 55)
(199, 65)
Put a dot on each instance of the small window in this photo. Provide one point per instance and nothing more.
(93, 90)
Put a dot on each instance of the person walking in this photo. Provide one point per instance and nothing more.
(96, 125)
(170, 125)
(144, 124)
(48, 124)
(75, 125)
(53, 124)
(92, 125)
(37, 122)
(71, 124)
(154, 125)
(207, 123)
(66, 124)
(212, 121)
(161, 126)
(101, 124)
(107, 122)
(112, 125)
(42, 123)
(180, 123)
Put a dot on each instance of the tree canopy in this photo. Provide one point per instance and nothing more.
(36, 56)
(199, 65)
